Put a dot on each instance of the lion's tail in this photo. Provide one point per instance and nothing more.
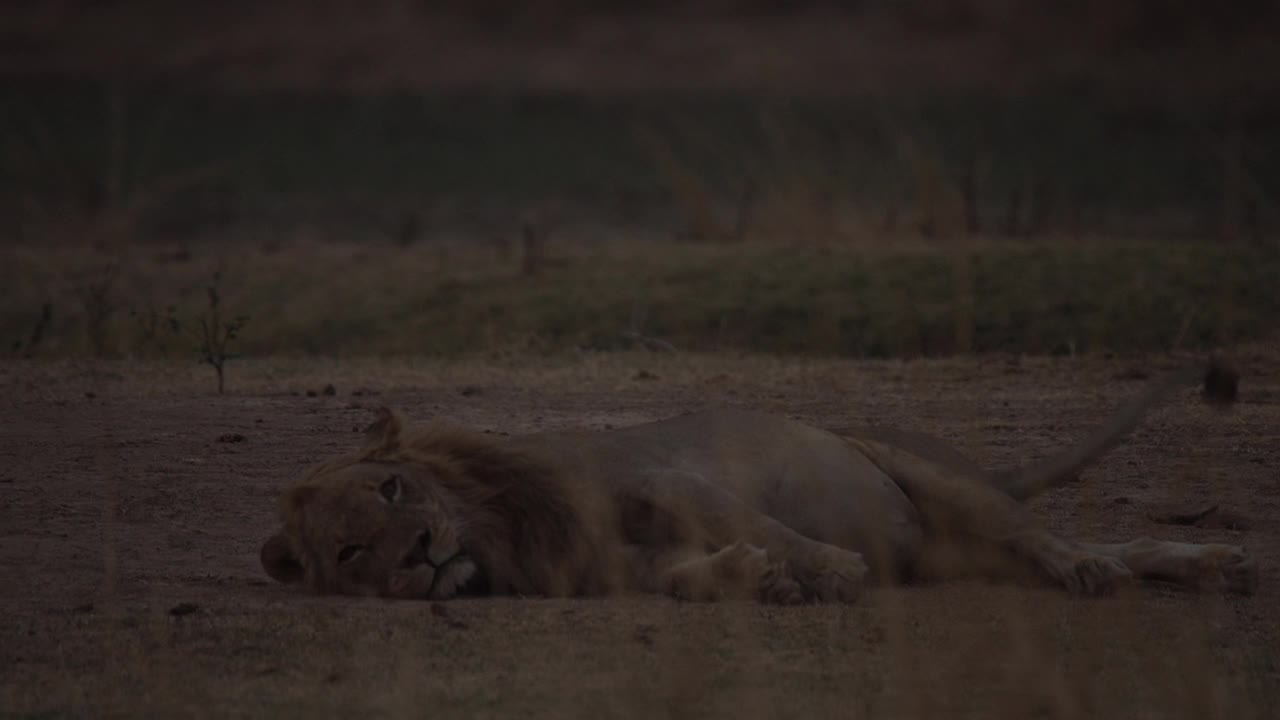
(1220, 383)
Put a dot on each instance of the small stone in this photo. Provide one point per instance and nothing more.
(1134, 373)
(182, 609)
(1221, 382)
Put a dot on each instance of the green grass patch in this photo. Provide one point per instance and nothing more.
(355, 300)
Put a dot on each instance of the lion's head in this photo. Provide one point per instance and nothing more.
(434, 515)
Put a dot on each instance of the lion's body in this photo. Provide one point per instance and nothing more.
(805, 478)
(705, 505)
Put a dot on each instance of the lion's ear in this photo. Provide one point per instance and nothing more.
(295, 499)
(384, 433)
(279, 560)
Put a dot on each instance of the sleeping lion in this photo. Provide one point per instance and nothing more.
(720, 504)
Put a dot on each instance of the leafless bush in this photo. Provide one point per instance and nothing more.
(27, 347)
(212, 334)
(153, 325)
(97, 297)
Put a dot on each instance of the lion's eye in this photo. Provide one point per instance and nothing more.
(390, 489)
(349, 553)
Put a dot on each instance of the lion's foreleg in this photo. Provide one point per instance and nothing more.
(719, 519)
(739, 571)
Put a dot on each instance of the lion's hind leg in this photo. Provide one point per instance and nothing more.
(1203, 567)
(970, 515)
(738, 571)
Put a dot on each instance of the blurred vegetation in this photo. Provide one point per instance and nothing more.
(1094, 178)
(175, 164)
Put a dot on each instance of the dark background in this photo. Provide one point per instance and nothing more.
(536, 134)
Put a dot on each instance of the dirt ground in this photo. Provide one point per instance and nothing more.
(133, 503)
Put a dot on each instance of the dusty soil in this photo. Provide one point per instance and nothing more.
(133, 503)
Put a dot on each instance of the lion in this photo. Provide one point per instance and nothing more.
(707, 506)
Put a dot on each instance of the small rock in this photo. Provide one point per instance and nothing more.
(1133, 373)
(470, 390)
(329, 390)
(182, 609)
(1122, 500)
(311, 393)
(231, 438)
(1221, 383)
(644, 634)
(363, 392)
(91, 395)
(644, 375)
(1182, 517)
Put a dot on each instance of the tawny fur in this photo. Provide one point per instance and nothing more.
(706, 506)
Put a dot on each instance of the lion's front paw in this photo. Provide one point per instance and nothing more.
(832, 574)
(778, 587)
(734, 571)
(740, 560)
(753, 568)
